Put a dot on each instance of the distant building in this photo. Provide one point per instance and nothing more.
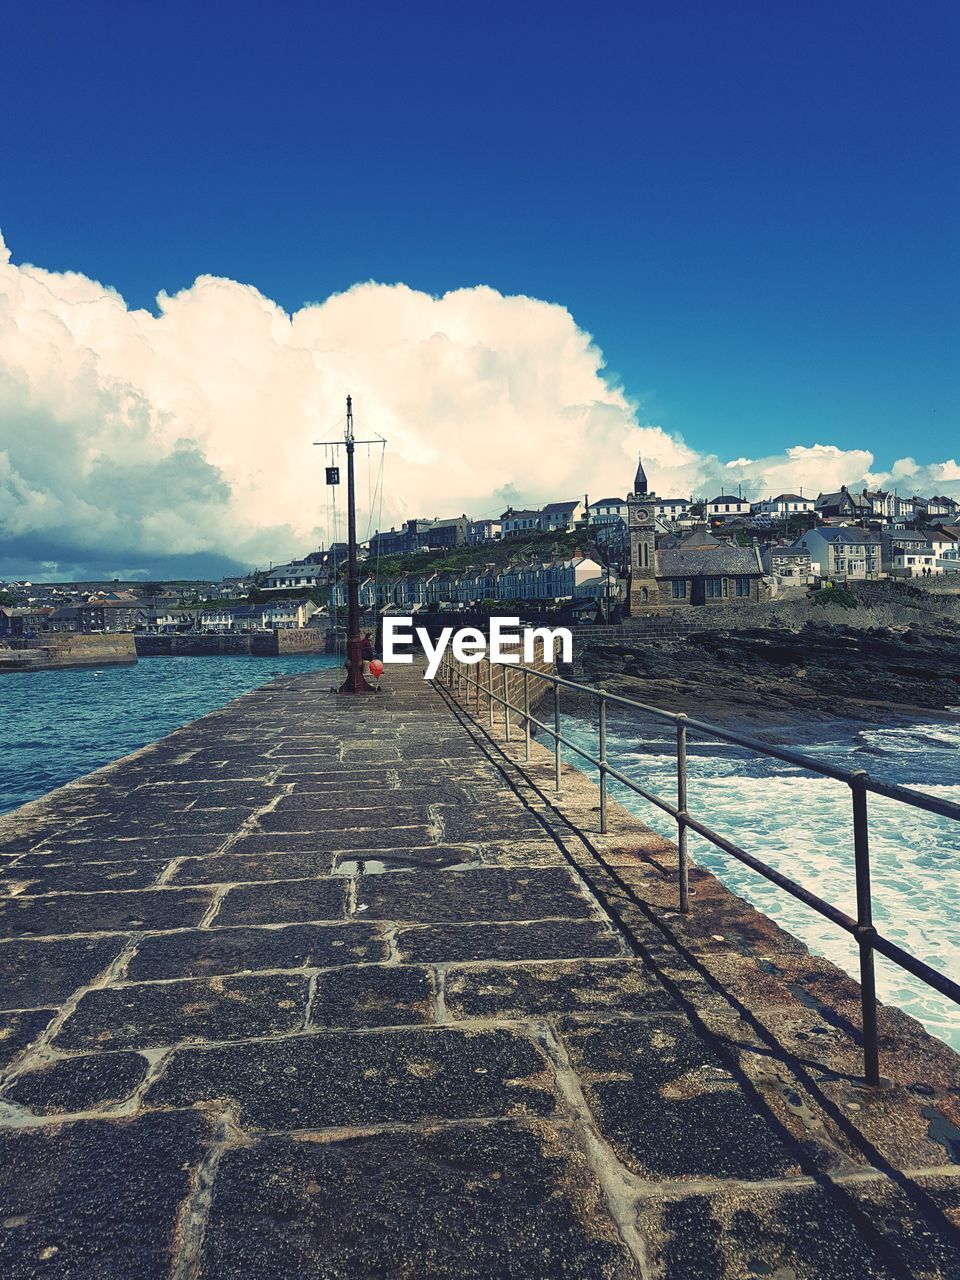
(791, 562)
(671, 508)
(297, 574)
(444, 534)
(520, 523)
(562, 517)
(727, 507)
(842, 552)
(607, 511)
(483, 531)
(784, 504)
(698, 570)
(842, 504)
(17, 622)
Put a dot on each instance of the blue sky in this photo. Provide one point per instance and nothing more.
(751, 206)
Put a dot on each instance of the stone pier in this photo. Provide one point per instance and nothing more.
(338, 987)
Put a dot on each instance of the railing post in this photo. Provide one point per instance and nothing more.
(602, 757)
(526, 716)
(506, 703)
(865, 930)
(490, 692)
(683, 869)
(556, 737)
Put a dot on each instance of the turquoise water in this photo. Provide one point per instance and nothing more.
(58, 725)
(801, 824)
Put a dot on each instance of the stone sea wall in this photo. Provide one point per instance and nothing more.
(70, 650)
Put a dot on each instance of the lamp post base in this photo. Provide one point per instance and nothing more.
(355, 682)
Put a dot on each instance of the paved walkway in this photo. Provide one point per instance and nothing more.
(320, 987)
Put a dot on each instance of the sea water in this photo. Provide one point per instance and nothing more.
(57, 725)
(801, 824)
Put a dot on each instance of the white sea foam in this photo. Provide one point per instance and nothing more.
(802, 824)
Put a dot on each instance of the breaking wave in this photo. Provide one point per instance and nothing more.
(801, 824)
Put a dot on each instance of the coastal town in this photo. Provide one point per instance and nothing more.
(591, 560)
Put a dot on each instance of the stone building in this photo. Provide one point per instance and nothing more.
(700, 570)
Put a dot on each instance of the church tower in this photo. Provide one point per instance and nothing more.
(644, 592)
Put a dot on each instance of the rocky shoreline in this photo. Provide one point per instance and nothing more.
(822, 670)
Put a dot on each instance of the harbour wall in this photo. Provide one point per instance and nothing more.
(69, 649)
(269, 644)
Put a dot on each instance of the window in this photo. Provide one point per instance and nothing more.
(679, 588)
(715, 588)
(743, 586)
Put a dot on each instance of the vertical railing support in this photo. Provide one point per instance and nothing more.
(602, 757)
(490, 692)
(865, 930)
(526, 717)
(556, 735)
(506, 703)
(683, 869)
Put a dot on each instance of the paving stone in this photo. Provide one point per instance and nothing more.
(42, 973)
(541, 939)
(474, 895)
(381, 834)
(672, 1108)
(96, 1198)
(17, 1030)
(509, 1201)
(338, 1078)
(60, 877)
(284, 901)
(872, 1230)
(101, 912)
(122, 849)
(203, 952)
(372, 996)
(83, 1083)
(225, 868)
(472, 822)
(145, 1015)
(556, 987)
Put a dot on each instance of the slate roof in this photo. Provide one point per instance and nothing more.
(848, 535)
(682, 562)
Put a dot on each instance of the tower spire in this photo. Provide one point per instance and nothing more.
(640, 479)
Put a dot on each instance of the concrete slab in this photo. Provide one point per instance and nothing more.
(508, 1201)
(197, 953)
(96, 1198)
(474, 895)
(337, 1079)
(37, 974)
(145, 1015)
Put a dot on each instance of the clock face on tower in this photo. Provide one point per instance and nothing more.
(641, 515)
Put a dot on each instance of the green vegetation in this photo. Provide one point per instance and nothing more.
(497, 553)
(7, 598)
(835, 595)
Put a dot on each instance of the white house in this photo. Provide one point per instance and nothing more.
(283, 577)
(562, 517)
(608, 511)
(670, 508)
(784, 504)
(727, 507)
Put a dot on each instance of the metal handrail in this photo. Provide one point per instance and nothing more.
(859, 781)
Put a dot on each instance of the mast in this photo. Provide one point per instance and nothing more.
(354, 682)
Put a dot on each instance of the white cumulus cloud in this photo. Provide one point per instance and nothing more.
(134, 438)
